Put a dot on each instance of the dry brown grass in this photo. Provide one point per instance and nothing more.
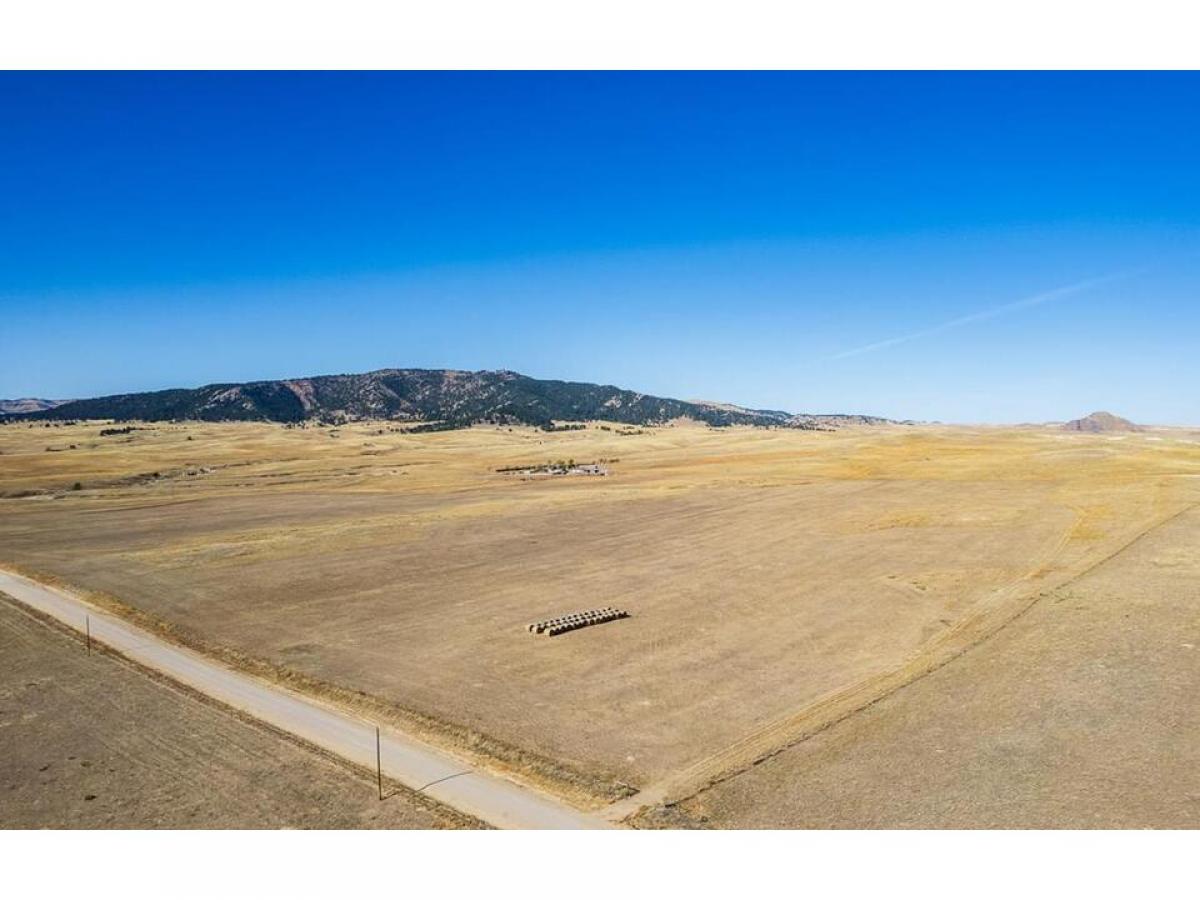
(94, 741)
(1080, 714)
(766, 571)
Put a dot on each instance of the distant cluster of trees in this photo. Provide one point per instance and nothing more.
(550, 465)
(425, 427)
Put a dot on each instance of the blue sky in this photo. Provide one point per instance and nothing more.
(964, 247)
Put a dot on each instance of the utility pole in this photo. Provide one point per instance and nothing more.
(378, 763)
(88, 625)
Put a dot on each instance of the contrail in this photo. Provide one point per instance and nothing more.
(1026, 303)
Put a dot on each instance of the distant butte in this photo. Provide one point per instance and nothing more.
(1099, 422)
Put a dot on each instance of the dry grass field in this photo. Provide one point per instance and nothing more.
(1081, 714)
(91, 742)
(777, 580)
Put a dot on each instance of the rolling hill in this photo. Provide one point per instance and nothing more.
(27, 405)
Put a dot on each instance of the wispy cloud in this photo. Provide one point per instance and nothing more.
(981, 316)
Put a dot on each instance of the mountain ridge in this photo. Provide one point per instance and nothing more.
(448, 397)
(23, 405)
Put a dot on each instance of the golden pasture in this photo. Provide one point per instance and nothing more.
(775, 578)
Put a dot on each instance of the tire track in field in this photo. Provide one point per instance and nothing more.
(827, 711)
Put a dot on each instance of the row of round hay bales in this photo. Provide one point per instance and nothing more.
(571, 621)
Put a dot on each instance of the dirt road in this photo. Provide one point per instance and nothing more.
(492, 799)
